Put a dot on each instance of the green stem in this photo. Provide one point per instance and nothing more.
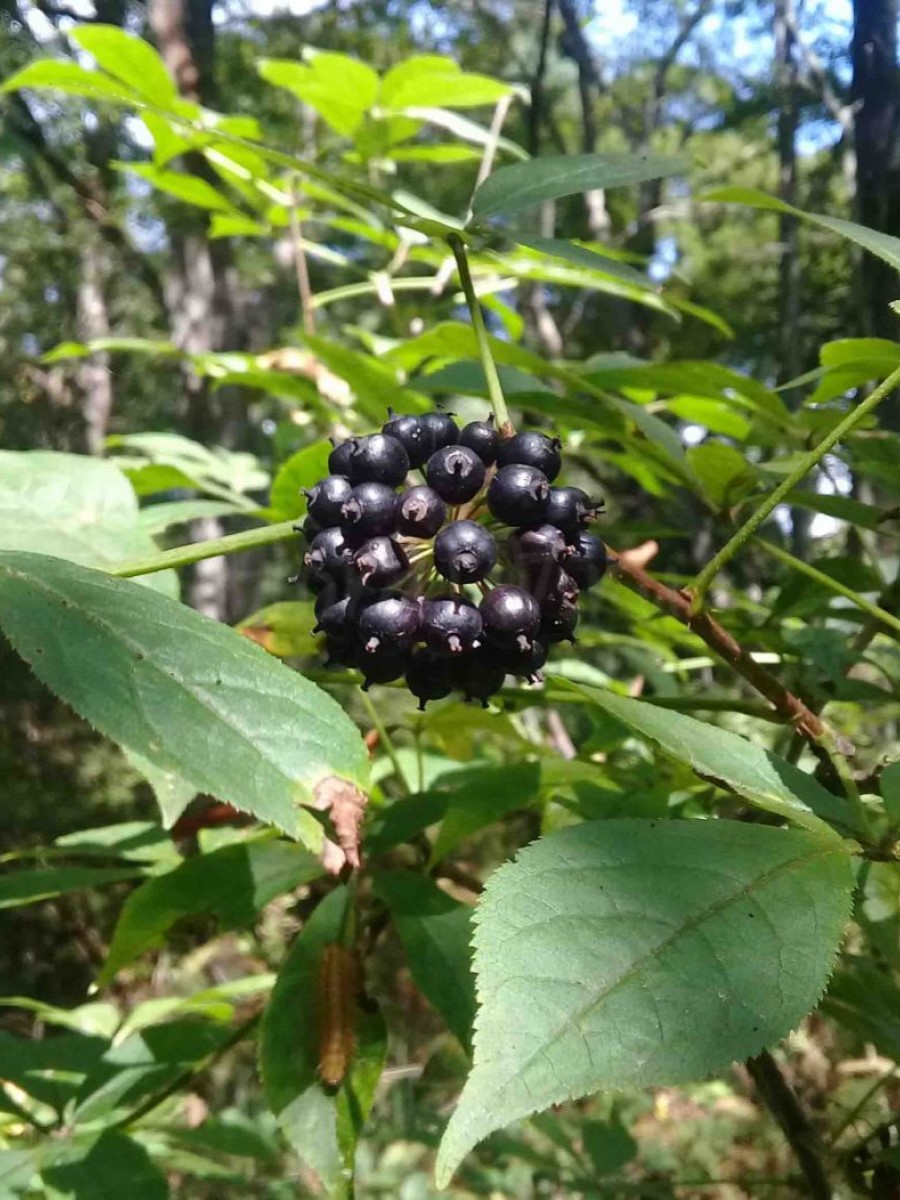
(183, 556)
(807, 462)
(839, 589)
(386, 741)
(495, 391)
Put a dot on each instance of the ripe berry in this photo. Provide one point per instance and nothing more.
(339, 458)
(483, 438)
(441, 428)
(333, 616)
(511, 616)
(391, 623)
(559, 626)
(383, 667)
(532, 450)
(587, 565)
(325, 499)
(517, 660)
(570, 509)
(342, 649)
(464, 552)
(412, 435)
(420, 512)
(370, 510)
(429, 676)
(380, 562)
(518, 495)
(477, 677)
(451, 625)
(328, 556)
(530, 549)
(555, 591)
(309, 528)
(378, 459)
(456, 473)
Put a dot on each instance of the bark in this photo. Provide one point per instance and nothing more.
(94, 378)
(589, 81)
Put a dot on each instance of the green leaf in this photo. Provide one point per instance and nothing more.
(640, 953)
(27, 887)
(322, 1124)
(173, 794)
(423, 78)
(729, 761)
(157, 518)
(69, 78)
(191, 696)
(524, 185)
(111, 1167)
(863, 997)
(726, 475)
(283, 629)
(231, 884)
(890, 790)
(74, 507)
(301, 470)
(436, 932)
(340, 88)
(581, 254)
(49, 1069)
(128, 59)
(882, 245)
(189, 188)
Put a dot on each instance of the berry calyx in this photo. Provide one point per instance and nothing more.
(429, 676)
(451, 625)
(532, 449)
(483, 438)
(587, 563)
(420, 512)
(379, 458)
(511, 616)
(440, 428)
(464, 552)
(369, 510)
(570, 509)
(411, 434)
(323, 502)
(380, 562)
(389, 624)
(456, 473)
(517, 495)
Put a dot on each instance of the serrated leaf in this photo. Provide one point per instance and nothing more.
(192, 696)
(68, 77)
(74, 507)
(639, 953)
(436, 932)
(27, 887)
(323, 1125)
(128, 59)
(173, 794)
(523, 185)
(770, 782)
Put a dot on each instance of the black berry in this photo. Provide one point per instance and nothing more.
(518, 660)
(511, 616)
(369, 510)
(534, 548)
(429, 676)
(587, 565)
(451, 625)
(383, 667)
(555, 590)
(559, 626)
(420, 512)
(532, 450)
(328, 555)
(333, 616)
(389, 624)
(378, 459)
(464, 552)
(325, 499)
(415, 438)
(380, 562)
(518, 496)
(478, 677)
(456, 473)
(339, 458)
(483, 438)
(441, 428)
(570, 509)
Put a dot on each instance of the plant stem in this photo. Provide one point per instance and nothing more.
(183, 556)
(495, 391)
(867, 606)
(857, 1108)
(703, 581)
(782, 1102)
(386, 741)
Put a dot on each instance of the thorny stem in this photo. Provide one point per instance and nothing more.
(807, 462)
(495, 391)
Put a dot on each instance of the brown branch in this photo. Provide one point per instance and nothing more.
(789, 706)
(783, 1103)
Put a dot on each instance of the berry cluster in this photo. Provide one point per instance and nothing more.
(402, 578)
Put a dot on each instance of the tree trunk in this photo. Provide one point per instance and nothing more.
(94, 379)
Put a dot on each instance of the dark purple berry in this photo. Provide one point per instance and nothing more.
(570, 509)
(389, 624)
(441, 428)
(477, 676)
(328, 556)
(555, 590)
(532, 450)
(334, 615)
(456, 473)
(420, 512)
(378, 459)
(309, 528)
(559, 626)
(380, 562)
(483, 438)
(464, 552)
(325, 499)
(342, 649)
(451, 625)
(530, 549)
(587, 565)
(415, 439)
(525, 662)
(370, 510)
(518, 495)
(428, 676)
(511, 616)
(339, 458)
(383, 667)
